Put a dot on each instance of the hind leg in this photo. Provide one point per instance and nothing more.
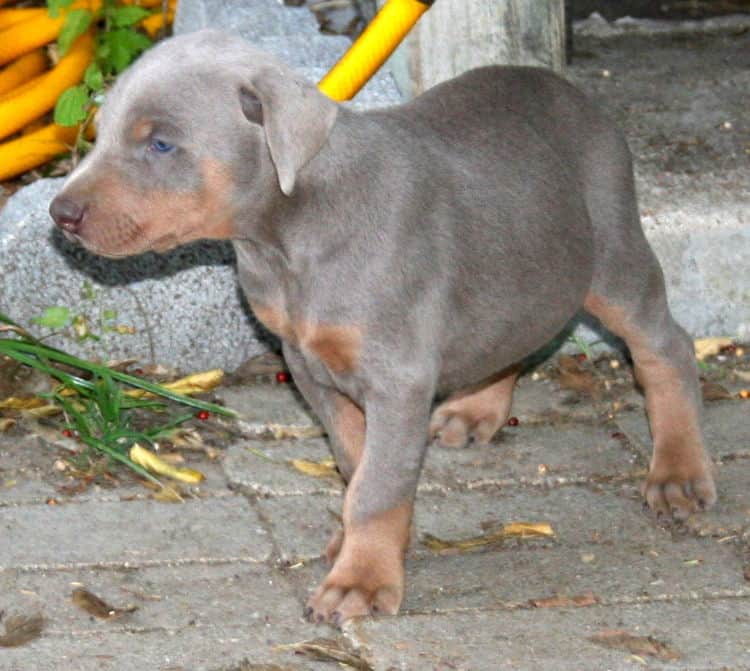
(474, 414)
(680, 478)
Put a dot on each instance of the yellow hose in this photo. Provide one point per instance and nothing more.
(30, 101)
(372, 48)
(29, 151)
(22, 70)
(10, 16)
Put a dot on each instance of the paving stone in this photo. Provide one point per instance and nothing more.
(276, 411)
(264, 468)
(216, 647)
(726, 426)
(558, 638)
(612, 573)
(167, 597)
(538, 454)
(133, 533)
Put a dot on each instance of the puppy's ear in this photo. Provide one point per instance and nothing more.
(296, 118)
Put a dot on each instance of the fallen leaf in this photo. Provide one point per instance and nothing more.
(283, 431)
(571, 376)
(713, 391)
(636, 645)
(329, 649)
(706, 347)
(20, 629)
(17, 403)
(317, 469)
(565, 601)
(95, 606)
(197, 383)
(168, 494)
(143, 457)
(186, 437)
(510, 530)
(44, 411)
(6, 423)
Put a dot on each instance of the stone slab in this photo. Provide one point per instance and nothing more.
(185, 306)
(133, 533)
(726, 429)
(558, 638)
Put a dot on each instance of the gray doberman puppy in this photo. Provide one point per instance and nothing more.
(401, 254)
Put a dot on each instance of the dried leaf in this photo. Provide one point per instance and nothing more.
(185, 437)
(284, 431)
(198, 383)
(168, 494)
(6, 423)
(636, 645)
(20, 629)
(317, 469)
(44, 411)
(510, 530)
(329, 649)
(706, 347)
(95, 606)
(572, 376)
(17, 403)
(565, 601)
(143, 457)
(713, 391)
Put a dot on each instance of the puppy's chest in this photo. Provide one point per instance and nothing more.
(335, 347)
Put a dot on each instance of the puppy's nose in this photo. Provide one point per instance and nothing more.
(67, 213)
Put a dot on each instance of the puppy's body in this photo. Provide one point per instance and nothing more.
(400, 254)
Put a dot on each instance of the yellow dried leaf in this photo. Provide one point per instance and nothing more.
(317, 469)
(510, 530)
(528, 529)
(6, 423)
(16, 403)
(705, 347)
(44, 411)
(143, 457)
(197, 383)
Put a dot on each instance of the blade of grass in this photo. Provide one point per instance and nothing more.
(14, 347)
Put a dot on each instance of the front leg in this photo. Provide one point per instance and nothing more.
(368, 574)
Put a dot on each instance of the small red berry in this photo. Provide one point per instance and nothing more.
(581, 357)
(282, 377)
(67, 433)
(513, 421)
(138, 371)
(203, 415)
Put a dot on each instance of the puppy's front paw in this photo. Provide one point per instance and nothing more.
(679, 486)
(359, 584)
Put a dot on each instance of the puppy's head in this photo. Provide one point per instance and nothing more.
(196, 140)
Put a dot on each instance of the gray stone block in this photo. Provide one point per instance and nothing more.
(136, 533)
(185, 305)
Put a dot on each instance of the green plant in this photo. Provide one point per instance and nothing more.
(118, 43)
(92, 396)
(82, 326)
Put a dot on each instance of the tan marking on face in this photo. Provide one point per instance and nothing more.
(122, 219)
(141, 129)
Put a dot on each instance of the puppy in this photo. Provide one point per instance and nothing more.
(400, 254)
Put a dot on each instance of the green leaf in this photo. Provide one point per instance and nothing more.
(123, 45)
(109, 315)
(93, 77)
(71, 105)
(122, 17)
(54, 317)
(77, 22)
(54, 7)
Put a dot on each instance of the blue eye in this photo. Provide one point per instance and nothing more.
(160, 147)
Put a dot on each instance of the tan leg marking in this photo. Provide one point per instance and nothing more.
(368, 575)
(680, 478)
(476, 413)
